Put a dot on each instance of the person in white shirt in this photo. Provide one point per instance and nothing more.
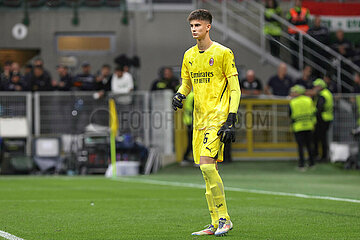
(121, 81)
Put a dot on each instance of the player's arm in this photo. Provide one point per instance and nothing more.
(227, 131)
(235, 93)
(181, 94)
(185, 87)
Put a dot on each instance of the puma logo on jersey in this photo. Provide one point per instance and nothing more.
(220, 205)
(208, 149)
(190, 63)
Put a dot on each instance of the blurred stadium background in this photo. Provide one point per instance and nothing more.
(67, 132)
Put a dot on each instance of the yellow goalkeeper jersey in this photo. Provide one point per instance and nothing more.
(208, 72)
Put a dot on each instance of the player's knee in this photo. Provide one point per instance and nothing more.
(207, 169)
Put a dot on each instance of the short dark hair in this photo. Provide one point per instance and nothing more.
(119, 68)
(200, 14)
(106, 66)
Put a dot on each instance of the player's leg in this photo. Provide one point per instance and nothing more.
(210, 172)
(210, 230)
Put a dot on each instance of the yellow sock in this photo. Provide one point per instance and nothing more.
(211, 204)
(217, 189)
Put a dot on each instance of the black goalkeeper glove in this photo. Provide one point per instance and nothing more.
(177, 101)
(227, 131)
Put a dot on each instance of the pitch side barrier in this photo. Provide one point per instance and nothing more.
(146, 116)
(263, 130)
(263, 127)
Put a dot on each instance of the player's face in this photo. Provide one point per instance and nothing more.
(199, 28)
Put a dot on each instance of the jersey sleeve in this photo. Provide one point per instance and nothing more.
(184, 69)
(186, 85)
(229, 67)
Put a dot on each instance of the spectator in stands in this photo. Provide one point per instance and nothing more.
(40, 81)
(320, 33)
(281, 83)
(85, 81)
(16, 83)
(121, 82)
(103, 78)
(298, 16)
(15, 68)
(306, 79)
(272, 27)
(65, 79)
(331, 85)
(38, 62)
(5, 75)
(302, 114)
(251, 85)
(356, 83)
(324, 115)
(342, 45)
(166, 80)
(28, 75)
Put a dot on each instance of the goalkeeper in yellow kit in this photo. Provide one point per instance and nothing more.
(209, 69)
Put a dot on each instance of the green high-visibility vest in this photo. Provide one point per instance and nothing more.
(188, 109)
(302, 113)
(328, 113)
(272, 28)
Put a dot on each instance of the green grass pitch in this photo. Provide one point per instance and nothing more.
(50, 208)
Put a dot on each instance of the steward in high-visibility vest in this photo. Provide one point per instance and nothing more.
(272, 27)
(298, 16)
(324, 115)
(302, 114)
(324, 101)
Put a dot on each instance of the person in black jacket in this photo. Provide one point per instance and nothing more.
(65, 79)
(40, 81)
(16, 83)
(85, 80)
(321, 34)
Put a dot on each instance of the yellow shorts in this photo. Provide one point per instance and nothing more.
(206, 143)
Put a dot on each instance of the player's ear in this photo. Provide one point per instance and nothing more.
(208, 27)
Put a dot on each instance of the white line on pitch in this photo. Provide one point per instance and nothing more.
(9, 236)
(234, 189)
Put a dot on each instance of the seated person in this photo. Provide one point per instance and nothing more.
(306, 79)
(342, 45)
(251, 85)
(166, 80)
(280, 83)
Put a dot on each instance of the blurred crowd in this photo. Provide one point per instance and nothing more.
(280, 83)
(35, 77)
(299, 16)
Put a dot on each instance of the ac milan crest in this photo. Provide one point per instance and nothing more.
(211, 62)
